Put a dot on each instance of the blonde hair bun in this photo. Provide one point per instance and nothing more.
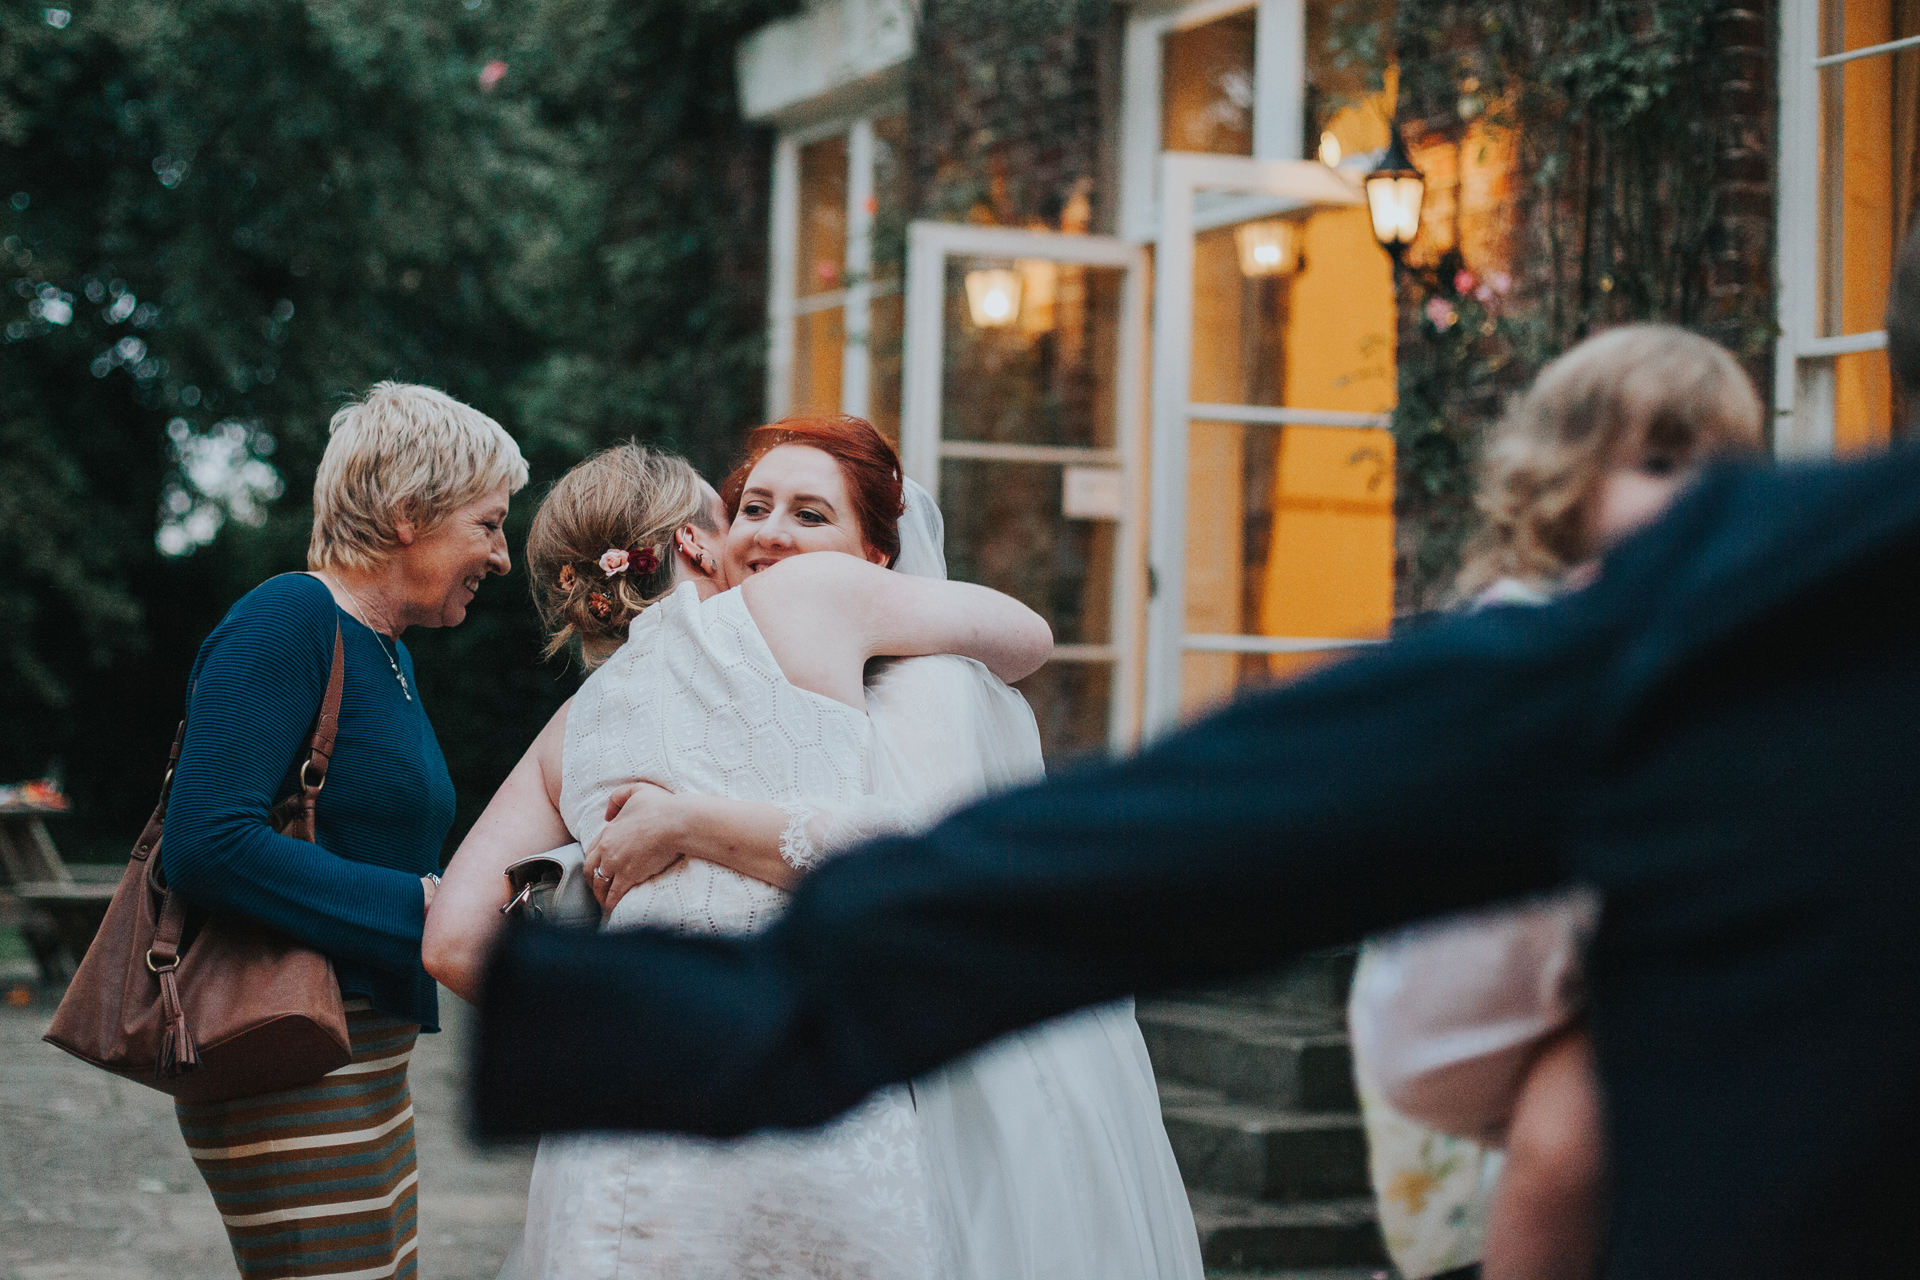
(601, 546)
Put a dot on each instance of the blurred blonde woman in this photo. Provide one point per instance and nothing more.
(409, 506)
(1476, 1076)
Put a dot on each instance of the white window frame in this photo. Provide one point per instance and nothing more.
(1259, 186)
(1803, 381)
(1279, 93)
(922, 446)
(784, 305)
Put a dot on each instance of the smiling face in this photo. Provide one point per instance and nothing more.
(443, 567)
(795, 501)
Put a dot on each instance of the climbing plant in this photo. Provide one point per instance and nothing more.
(1636, 173)
(1004, 108)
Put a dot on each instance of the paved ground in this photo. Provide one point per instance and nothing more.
(96, 1185)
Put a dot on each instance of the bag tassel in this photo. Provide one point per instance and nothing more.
(177, 1052)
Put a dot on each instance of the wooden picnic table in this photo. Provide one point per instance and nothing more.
(57, 911)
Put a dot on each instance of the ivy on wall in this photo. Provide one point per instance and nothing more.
(1004, 103)
(1641, 134)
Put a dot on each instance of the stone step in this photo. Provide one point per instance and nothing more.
(1312, 986)
(1263, 1153)
(1239, 1234)
(1250, 1055)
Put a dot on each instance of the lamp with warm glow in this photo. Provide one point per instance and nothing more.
(993, 296)
(1395, 192)
(1270, 248)
(1329, 149)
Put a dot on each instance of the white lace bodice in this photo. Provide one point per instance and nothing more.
(694, 701)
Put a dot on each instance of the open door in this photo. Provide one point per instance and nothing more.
(1273, 373)
(1025, 356)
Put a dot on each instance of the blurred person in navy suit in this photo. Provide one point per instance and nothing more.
(1721, 735)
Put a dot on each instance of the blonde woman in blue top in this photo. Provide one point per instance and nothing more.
(409, 507)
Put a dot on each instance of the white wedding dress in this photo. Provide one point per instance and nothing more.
(1042, 1157)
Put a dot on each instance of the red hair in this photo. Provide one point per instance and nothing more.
(868, 464)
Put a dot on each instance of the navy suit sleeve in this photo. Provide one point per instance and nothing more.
(1409, 782)
(257, 691)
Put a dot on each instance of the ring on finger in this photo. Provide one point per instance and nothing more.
(598, 874)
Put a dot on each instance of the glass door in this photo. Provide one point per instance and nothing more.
(1271, 542)
(1025, 359)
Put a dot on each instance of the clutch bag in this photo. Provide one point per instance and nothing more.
(552, 888)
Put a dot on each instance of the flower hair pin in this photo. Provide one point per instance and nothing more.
(616, 560)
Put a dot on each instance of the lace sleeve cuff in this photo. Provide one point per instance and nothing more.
(797, 848)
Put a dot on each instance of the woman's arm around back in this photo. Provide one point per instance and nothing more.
(824, 614)
(522, 819)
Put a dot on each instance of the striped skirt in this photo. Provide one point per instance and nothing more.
(319, 1181)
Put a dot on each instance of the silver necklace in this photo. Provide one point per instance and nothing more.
(393, 658)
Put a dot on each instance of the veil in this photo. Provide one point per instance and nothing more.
(1045, 1153)
(923, 534)
(945, 730)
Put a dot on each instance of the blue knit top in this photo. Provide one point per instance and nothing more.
(381, 817)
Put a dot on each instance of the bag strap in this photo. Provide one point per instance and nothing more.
(165, 953)
(313, 769)
(150, 834)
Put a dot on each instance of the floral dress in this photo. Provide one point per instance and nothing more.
(1432, 1188)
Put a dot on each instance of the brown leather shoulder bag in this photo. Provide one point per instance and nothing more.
(242, 1010)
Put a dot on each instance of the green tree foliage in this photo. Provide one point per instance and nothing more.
(220, 220)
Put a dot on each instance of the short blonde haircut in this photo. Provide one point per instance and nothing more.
(402, 451)
(626, 498)
(1650, 385)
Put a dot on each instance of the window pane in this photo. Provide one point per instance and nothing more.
(889, 194)
(1858, 24)
(1870, 114)
(1207, 87)
(1070, 701)
(1046, 375)
(1006, 529)
(818, 340)
(884, 333)
(1319, 337)
(822, 260)
(1289, 529)
(1863, 403)
(1337, 99)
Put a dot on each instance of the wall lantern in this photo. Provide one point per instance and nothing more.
(993, 296)
(1270, 248)
(1395, 191)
